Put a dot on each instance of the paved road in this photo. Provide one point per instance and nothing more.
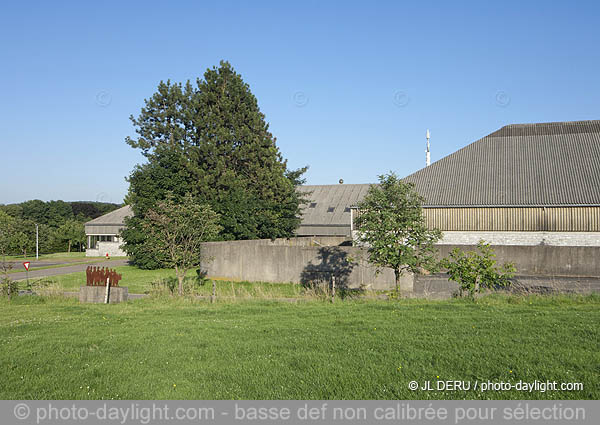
(45, 263)
(34, 274)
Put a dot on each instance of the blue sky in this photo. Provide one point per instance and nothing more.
(349, 88)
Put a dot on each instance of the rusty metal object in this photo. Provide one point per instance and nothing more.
(97, 276)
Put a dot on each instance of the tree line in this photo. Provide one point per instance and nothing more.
(60, 225)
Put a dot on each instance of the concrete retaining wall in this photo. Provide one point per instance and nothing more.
(544, 260)
(299, 262)
(438, 285)
(314, 241)
(267, 261)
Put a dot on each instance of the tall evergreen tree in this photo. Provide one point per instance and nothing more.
(212, 141)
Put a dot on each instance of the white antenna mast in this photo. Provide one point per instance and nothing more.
(427, 155)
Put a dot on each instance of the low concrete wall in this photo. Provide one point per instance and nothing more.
(267, 261)
(296, 261)
(438, 285)
(315, 241)
(97, 294)
(544, 260)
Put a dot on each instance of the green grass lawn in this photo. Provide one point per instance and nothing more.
(165, 348)
(140, 282)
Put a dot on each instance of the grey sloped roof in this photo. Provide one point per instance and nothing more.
(547, 164)
(315, 221)
(113, 218)
(554, 163)
(328, 209)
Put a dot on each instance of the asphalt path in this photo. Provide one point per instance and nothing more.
(33, 263)
(35, 274)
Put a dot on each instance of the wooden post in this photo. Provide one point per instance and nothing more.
(213, 297)
(107, 295)
(332, 288)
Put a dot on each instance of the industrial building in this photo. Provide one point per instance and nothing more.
(524, 184)
(328, 211)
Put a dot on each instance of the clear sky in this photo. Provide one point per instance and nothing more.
(349, 88)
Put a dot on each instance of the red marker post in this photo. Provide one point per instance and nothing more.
(26, 265)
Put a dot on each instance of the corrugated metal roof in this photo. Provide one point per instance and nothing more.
(328, 209)
(329, 216)
(520, 164)
(547, 164)
(113, 218)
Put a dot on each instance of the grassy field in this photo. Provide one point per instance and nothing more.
(140, 282)
(166, 348)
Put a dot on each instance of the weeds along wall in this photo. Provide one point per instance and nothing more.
(305, 260)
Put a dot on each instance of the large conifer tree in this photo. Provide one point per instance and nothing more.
(212, 141)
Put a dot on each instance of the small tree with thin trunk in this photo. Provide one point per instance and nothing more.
(7, 232)
(71, 232)
(176, 231)
(390, 223)
(23, 242)
(477, 271)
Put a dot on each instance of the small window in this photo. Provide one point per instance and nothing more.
(312, 205)
(330, 209)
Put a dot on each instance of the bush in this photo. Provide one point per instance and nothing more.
(168, 285)
(38, 285)
(8, 288)
(476, 271)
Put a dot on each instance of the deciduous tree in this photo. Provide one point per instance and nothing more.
(475, 271)
(22, 243)
(7, 231)
(177, 230)
(71, 232)
(391, 225)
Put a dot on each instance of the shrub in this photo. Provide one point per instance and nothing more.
(169, 285)
(477, 271)
(8, 287)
